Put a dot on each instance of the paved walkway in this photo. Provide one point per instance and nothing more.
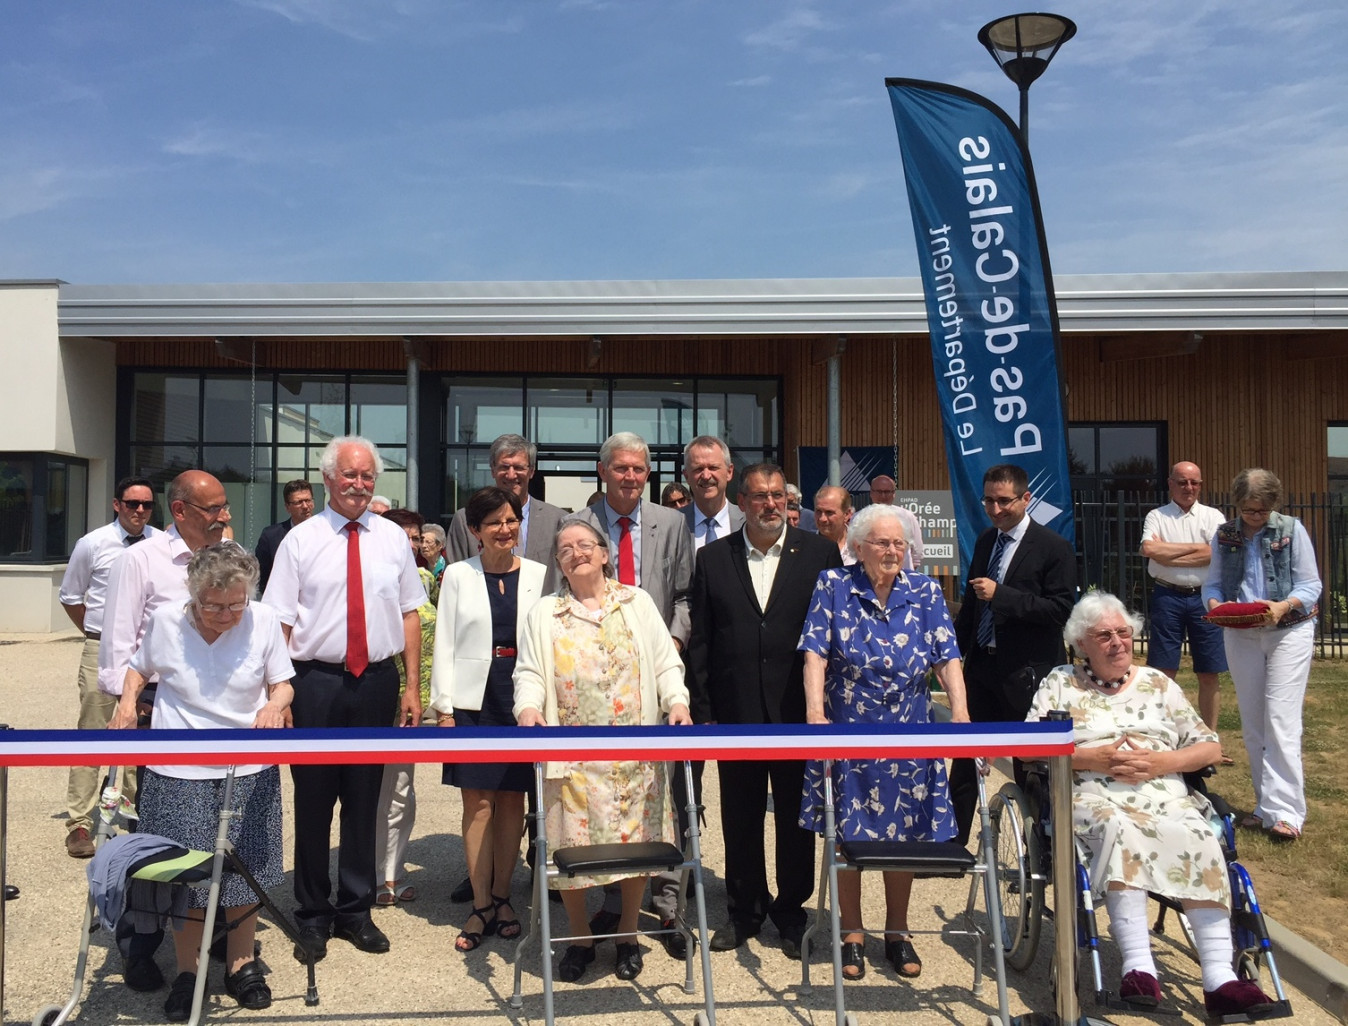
(423, 979)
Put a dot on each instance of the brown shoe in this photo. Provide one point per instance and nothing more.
(79, 845)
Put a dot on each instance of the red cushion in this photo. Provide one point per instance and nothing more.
(1238, 614)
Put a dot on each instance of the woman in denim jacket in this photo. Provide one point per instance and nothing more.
(1265, 556)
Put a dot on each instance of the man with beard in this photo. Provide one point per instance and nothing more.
(347, 590)
(751, 592)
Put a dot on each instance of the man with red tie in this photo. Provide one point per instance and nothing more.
(347, 590)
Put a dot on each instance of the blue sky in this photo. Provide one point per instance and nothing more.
(424, 140)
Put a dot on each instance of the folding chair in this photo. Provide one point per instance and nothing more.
(171, 867)
(924, 859)
(632, 859)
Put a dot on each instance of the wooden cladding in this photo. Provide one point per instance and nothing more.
(1231, 400)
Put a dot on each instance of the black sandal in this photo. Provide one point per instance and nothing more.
(901, 955)
(854, 957)
(506, 929)
(573, 963)
(474, 939)
(248, 986)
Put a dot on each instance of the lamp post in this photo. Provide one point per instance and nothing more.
(1022, 45)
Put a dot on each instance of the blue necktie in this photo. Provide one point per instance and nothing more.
(987, 634)
(709, 535)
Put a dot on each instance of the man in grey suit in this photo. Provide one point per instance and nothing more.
(652, 549)
(513, 459)
(708, 470)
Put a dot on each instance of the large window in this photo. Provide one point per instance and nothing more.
(43, 504)
(569, 417)
(1338, 459)
(255, 434)
(1117, 457)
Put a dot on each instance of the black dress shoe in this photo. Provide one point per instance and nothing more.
(731, 936)
(313, 941)
(141, 973)
(462, 893)
(675, 943)
(629, 962)
(791, 941)
(365, 936)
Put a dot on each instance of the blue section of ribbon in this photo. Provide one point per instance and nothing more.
(990, 306)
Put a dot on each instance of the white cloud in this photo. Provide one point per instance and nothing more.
(752, 83)
(203, 140)
(790, 32)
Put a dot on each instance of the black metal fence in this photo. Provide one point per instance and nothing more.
(1109, 534)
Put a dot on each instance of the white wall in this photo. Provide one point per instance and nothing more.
(62, 399)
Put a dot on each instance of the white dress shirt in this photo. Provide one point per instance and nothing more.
(86, 578)
(721, 519)
(763, 566)
(308, 586)
(1013, 539)
(1169, 523)
(145, 577)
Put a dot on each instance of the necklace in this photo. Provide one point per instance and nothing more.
(1108, 685)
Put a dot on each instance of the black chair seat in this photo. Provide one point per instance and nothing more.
(929, 858)
(595, 859)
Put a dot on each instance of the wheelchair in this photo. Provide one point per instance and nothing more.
(1023, 834)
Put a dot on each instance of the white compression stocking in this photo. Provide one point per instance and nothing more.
(1128, 926)
(1212, 936)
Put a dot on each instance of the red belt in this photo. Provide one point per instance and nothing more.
(501, 652)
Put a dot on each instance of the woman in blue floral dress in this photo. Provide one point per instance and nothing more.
(872, 633)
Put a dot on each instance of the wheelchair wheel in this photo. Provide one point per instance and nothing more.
(1022, 895)
(1248, 966)
(47, 1016)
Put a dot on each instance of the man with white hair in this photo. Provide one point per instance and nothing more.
(708, 469)
(347, 590)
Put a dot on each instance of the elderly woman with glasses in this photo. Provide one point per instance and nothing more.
(1265, 557)
(221, 662)
(598, 653)
(873, 632)
(1136, 734)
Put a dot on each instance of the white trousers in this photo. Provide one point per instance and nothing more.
(1269, 669)
(398, 804)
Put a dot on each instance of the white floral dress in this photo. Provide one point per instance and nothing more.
(1153, 836)
(878, 657)
(598, 683)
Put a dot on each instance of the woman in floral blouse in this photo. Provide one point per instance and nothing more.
(1136, 734)
(872, 633)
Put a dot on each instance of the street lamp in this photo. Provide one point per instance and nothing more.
(1022, 45)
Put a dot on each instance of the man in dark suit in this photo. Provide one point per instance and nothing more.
(299, 500)
(751, 592)
(1022, 585)
(707, 469)
(513, 460)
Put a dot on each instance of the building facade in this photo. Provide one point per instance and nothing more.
(250, 381)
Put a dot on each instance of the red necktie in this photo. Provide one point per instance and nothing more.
(357, 651)
(627, 562)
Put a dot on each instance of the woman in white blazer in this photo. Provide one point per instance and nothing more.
(483, 604)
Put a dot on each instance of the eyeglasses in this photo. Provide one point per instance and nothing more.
(210, 511)
(1105, 637)
(508, 522)
(583, 548)
(137, 503)
(300, 502)
(215, 609)
(1001, 502)
(898, 544)
(1252, 511)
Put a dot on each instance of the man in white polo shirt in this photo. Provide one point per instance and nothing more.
(84, 590)
(1177, 539)
(347, 591)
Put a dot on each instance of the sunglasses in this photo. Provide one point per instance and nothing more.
(137, 503)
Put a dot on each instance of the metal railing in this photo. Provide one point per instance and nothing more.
(1109, 535)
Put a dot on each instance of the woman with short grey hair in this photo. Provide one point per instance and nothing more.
(222, 663)
(1264, 557)
(864, 520)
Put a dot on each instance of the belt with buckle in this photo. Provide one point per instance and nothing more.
(337, 668)
(1177, 590)
(501, 652)
(93, 635)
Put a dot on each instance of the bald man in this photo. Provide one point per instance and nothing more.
(1177, 541)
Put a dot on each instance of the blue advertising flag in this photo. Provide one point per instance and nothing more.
(990, 307)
